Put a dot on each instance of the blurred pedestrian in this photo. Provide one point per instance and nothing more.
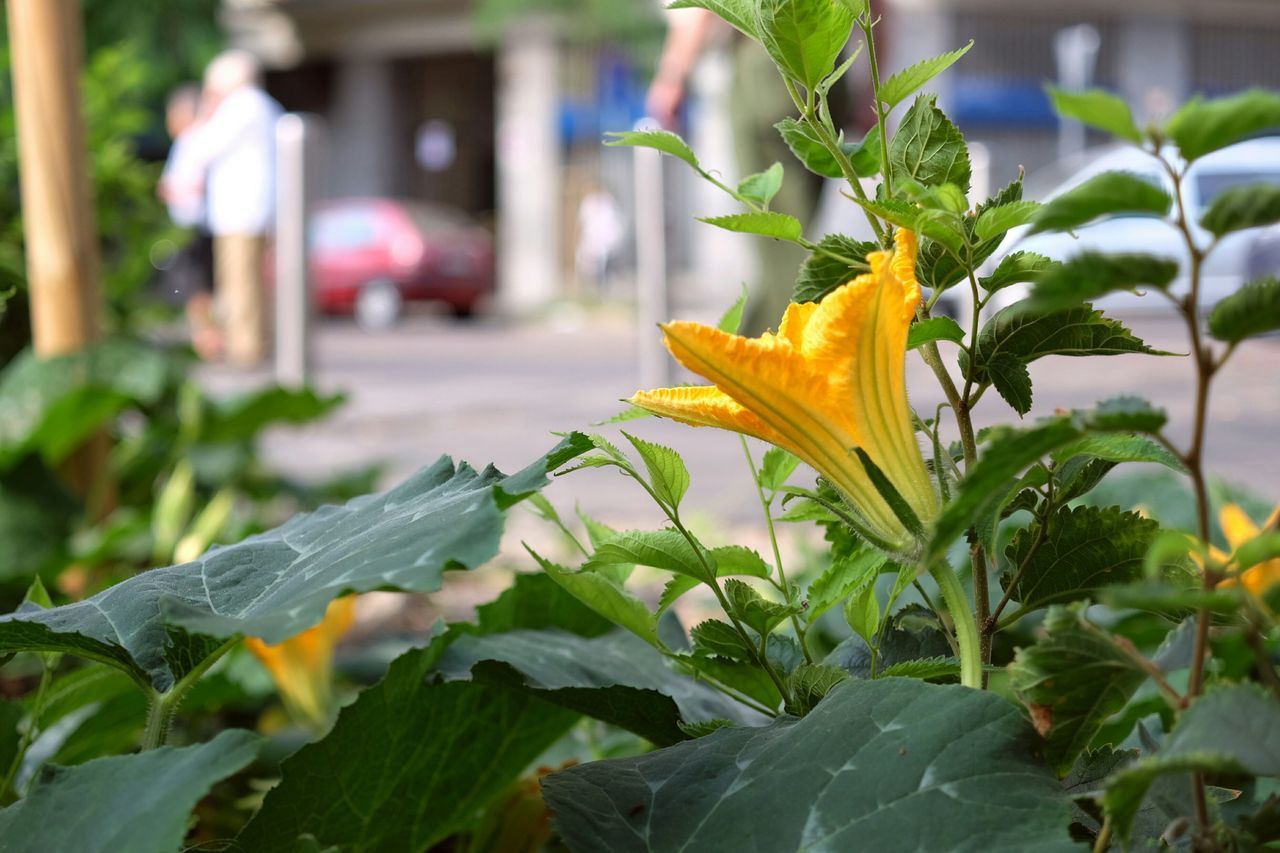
(182, 189)
(757, 100)
(235, 146)
(601, 231)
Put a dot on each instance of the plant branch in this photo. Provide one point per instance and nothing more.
(162, 707)
(966, 627)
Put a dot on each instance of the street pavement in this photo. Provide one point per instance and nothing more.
(496, 391)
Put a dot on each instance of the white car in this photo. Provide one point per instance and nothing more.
(1238, 258)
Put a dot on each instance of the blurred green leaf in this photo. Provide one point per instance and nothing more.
(1109, 193)
(1090, 275)
(762, 186)
(1098, 109)
(1252, 310)
(1238, 208)
(1201, 127)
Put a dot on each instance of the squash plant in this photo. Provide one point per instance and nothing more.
(1023, 670)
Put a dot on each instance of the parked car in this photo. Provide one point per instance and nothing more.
(1238, 257)
(371, 255)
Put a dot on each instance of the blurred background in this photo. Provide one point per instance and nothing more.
(471, 278)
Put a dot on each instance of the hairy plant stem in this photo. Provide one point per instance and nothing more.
(161, 707)
(1193, 459)
(767, 505)
(966, 628)
(867, 25)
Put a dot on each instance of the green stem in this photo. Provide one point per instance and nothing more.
(766, 505)
(867, 26)
(966, 627)
(162, 707)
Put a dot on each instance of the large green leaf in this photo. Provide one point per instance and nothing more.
(804, 37)
(1230, 730)
(278, 583)
(1201, 127)
(50, 405)
(1092, 274)
(904, 83)
(616, 678)
(1252, 310)
(1084, 549)
(1072, 680)
(1237, 208)
(822, 272)
(888, 765)
(1099, 109)
(411, 761)
(1106, 194)
(140, 803)
(928, 148)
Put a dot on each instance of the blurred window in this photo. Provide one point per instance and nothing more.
(1210, 185)
(349, 228)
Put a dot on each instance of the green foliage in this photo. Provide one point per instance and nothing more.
(780, 226)
(1238, 208)
(1071, 680)
(659, 140)
(763, 186)
(1090, 275)
(667, 472)
(139, 802)
(836, 261)
(880, 739)
(1098, 109)
(1016, 268)
(846, 573)
(1202, 127)
(1107, 194)
(1231, 730)
(928, 148)
(1252, 310)
(277, 583)
(806, 143)
(934, 329)
(740, 13)
(906, 82)
(996, 221)
(804, 37)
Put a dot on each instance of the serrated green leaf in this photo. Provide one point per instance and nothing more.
(904, 83)
(887, 735)
(714, 637)
(755, 611)
(1071, 680)
(630, 413)
(1120, 447)
(762, 186)
(1009, 376)
(1200, 127)
(995, 221)
(1125, 413)
(804, 37)
(366, 787)
(615, 678)
(845, 574)
(1090, 275)
(278, 583)
(1085, 549)
(1252, 310)
(807, 146)
(777, 467)
(892, 211)
(125, 802)
(741, 14)
(942, 227)
(925, 669)
(1230, 730)
(731, 319)
(938, 269)
(660, 140)
(809, 684)
(928, 148)
(1238, 208)
(605, 597)
(934, 329)
(822, 273)
(780, 226)
(1016, 268)
(666, 549)
(667, 472)
(991, 478)
(1098, 109)
(1106, 194)
(1027, 335)
(862, 611)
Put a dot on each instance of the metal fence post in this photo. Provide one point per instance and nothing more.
(297, 152)
(652, 302)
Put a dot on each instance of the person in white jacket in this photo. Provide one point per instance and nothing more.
(234, 148)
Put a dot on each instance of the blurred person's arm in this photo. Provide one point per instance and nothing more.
(687, 31)
(229, 122)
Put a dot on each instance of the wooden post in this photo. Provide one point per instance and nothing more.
(57, 202)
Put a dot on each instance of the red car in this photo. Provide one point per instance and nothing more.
(370, 255)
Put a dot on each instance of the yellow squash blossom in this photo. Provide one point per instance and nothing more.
(831, 380)
(302, 666)
(1239, 529)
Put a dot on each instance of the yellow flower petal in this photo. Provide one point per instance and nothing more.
(830, 381)
(1236, 526)
(302, 666)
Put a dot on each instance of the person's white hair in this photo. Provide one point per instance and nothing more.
(231, 70)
